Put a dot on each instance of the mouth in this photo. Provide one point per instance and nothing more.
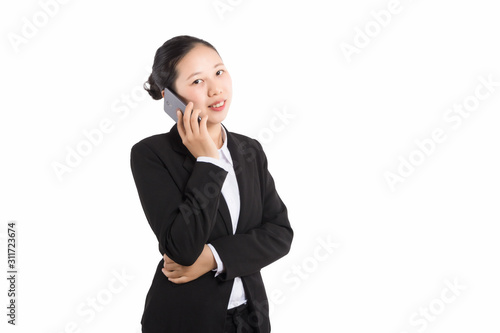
(218, 106)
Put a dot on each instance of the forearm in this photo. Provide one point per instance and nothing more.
(181, 274)
(196, 215)
(182, 216)
(244, 254)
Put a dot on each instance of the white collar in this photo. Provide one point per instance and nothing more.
(224, 150)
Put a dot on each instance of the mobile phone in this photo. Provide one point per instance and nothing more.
(172, 102)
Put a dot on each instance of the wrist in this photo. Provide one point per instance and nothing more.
(209, 257)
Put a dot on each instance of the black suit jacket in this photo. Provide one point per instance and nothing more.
(184, 206)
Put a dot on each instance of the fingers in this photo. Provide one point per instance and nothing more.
(171, 274)
(180, 125)
(194, 121)
(203, 124)
(172, 267)
(175, 276)
(183, 125)
(180, 280)
(186, 117)
(189, 120)
(169, 265)
(173, 271)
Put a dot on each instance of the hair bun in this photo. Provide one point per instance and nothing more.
(152, 88)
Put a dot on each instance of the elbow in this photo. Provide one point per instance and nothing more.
(289, 239)
(185, 260)
(181, 245)
(284, 241)
(182, 254)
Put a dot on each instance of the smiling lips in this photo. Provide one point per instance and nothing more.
(219, 106)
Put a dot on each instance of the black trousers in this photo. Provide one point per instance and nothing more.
(238, 320)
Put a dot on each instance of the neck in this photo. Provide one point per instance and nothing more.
(215, 132)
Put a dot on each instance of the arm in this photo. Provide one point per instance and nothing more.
(182, 219)
(181, 274)
(244, 254)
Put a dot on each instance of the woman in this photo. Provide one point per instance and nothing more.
(210, 200)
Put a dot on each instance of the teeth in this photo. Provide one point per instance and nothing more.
(217, 105)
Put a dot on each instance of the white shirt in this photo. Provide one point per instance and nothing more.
(231, 194)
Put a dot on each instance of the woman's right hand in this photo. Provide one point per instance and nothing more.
(195, 135)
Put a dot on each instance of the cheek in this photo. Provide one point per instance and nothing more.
(193, 95)
(229, 83)
(199, 100)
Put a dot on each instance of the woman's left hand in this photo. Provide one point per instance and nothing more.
(181, 274)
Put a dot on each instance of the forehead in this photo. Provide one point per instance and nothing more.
(201, 58)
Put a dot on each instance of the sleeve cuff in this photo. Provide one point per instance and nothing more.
(215, 161)
(220, 265)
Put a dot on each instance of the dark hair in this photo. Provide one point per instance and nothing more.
(166, 59)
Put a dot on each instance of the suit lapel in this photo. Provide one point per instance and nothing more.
(188, 164)
(179, 147)
(239, 155)
(224, 213)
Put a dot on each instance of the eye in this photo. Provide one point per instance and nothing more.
(197, 81)
(219, 72)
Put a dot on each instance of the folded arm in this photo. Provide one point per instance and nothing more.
(247, 253)
(181, 220)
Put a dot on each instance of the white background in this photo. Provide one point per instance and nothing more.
(351, 119)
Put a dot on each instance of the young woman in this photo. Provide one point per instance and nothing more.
(211, 202)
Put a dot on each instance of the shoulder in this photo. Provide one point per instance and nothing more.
(244, 140)
(158, 142)
(247, 148)
(157, 151)
(152, 141)
(240, 138)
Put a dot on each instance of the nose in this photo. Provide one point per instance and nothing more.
(214, 90)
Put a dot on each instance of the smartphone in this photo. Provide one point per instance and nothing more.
(172, 102)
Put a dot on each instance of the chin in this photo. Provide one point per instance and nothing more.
(217, 117)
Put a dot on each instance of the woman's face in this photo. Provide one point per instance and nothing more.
(203, 79)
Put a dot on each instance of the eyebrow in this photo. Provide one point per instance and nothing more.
(194, 74)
